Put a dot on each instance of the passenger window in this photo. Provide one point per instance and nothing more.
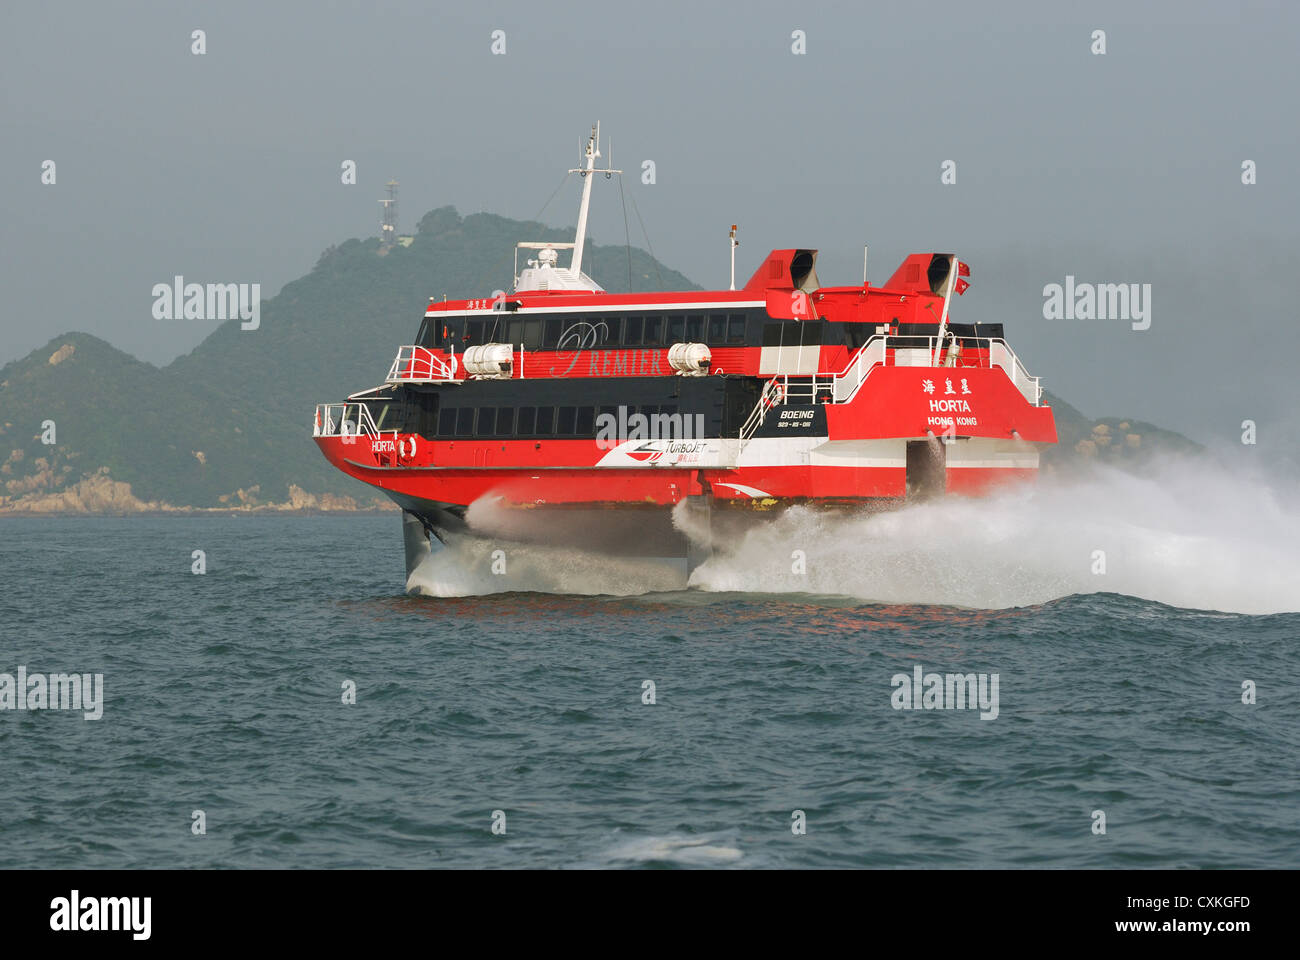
(545, 421)
(612, 414)
(676, 327)
(527, 421)
(554, 325)
(571, 337)
(565, 421)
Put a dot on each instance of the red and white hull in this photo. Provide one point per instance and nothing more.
(588, 417)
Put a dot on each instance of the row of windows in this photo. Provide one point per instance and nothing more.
(660, 330)
(596, 330)
(564, 421)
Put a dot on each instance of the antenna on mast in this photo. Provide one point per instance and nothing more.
(590, 154)
(544, 272)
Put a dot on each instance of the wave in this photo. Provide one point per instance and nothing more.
(707, 851)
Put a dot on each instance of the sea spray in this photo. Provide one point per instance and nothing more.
(468, 566)
(1189, 534)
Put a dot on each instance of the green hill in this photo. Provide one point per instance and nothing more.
(1113, 440)
(115, 416)
(229, 424)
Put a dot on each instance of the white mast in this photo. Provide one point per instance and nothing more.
(545, 273)
(734, 244)
(947, 299)
(593, 151)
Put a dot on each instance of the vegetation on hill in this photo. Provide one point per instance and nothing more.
(229, 424)
(1112, 440)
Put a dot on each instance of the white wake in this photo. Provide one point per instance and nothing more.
(1193, 536)
(1189, 536)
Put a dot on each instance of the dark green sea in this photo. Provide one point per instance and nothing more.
(223, 693)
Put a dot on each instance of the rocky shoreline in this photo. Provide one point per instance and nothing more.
(98, 494)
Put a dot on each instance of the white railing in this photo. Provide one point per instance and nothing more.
(998, 353)
(421, 365)
(1001, 355)
(772, 395)
(842, 387)
(345, 420)
(864, 361)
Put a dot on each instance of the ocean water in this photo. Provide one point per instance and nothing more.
(1118, 692)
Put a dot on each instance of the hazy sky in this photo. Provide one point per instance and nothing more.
(1124, 167)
